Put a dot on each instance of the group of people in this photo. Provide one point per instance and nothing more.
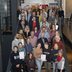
(38, 42)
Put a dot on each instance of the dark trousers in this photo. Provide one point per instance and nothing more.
(62, 70)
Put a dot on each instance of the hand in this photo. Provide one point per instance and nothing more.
(17, 65)
(60, 70)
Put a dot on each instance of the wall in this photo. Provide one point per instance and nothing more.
(68, 8)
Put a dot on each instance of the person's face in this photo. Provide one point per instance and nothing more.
(15, 49)
(30, 56)
(23, 18)
(28, 40)
(20, 45)
(21, 31)
(57, 38)
(32, 34)
(44, 19)
(56, 46)
(37, 13)
(60, 53)
(43, 29)
(34, 19)
(39, 45)
(33, 13)
(53, 27)
(46, 46)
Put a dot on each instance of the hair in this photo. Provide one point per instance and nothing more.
(15, 47)
(20, 43)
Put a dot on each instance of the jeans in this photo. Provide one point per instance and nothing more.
(39, 64)
(54, 67)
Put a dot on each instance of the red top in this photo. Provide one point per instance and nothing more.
(34, 24)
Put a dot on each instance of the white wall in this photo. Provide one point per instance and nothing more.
(39, 1)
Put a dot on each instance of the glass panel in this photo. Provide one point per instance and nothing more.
(6, 26)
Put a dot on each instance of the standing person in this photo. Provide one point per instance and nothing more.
(22, 55)
(54, 53)
(30, 62)
(37, 54)
(14, 57)
(61, 19)
(60, 62)
(22, 23)
(47, 52)
(33, 39)
(28, 47)
(31, 19)
(42, 40)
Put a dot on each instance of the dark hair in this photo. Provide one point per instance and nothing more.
(20, 43)
(15, 47)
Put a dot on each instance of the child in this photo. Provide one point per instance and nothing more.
(14, 57)
(30, 62)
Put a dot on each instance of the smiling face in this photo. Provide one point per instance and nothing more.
(39, 45)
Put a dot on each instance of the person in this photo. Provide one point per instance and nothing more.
(22, 51)
(27, 32)
(47, 52)
(60, 62)
(28, 47)
(37, 54)
(22, 23)
(30, 62)
(42, 40)
(57, 40)
(37, 21)
(16, 40)
(54, 53)
(33, 39)
(44, 23)
(46, 33)
(15, 61)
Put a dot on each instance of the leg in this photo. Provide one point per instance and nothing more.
(39, 64)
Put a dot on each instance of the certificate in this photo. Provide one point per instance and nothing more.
(21, 55)
(43, 57)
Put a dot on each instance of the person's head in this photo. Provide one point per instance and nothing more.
(39, 45)
(17, 36)
(33, 13)
(46, 45)
(28, 40)
(22, 17)
(43, 29)
(44, 19)
(35, 29)
(30, 55)
(22, 11)
(32, 33)
(57, 33)
(57, 38)
(20, 45)
(34, 19)
(27, 29)
(20, 31)
(60, 53)
(15, 49)
(53, 27)
(29, 10)
(56, 47)
(38, 13)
